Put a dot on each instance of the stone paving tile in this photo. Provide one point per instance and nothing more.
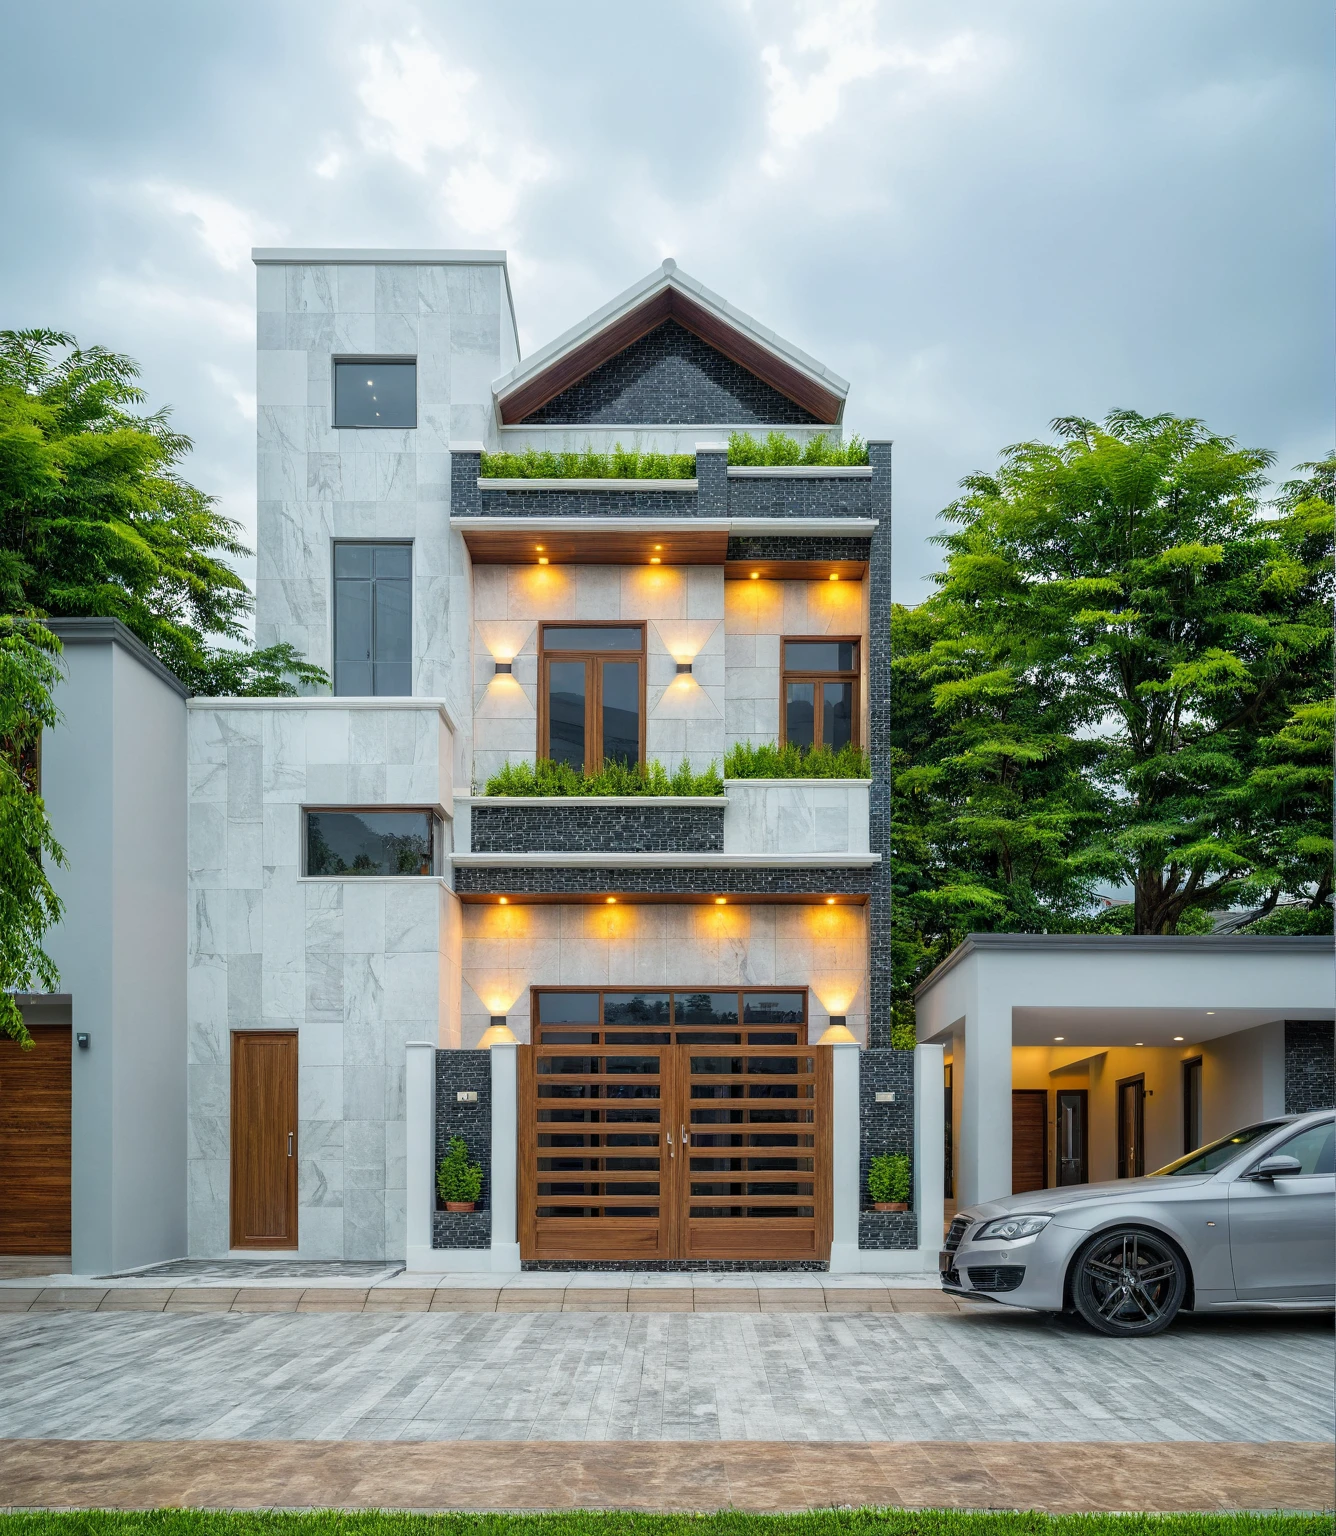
(330, 1300)
(140, 1299)
(384, 1299)
(18, 1298)
(669, 1476)
(202, 1299)
(68, 1298)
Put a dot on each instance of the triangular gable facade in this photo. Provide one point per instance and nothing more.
(669, 352)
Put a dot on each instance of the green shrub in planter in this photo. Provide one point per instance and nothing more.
(458, 1181)
(888, 1178)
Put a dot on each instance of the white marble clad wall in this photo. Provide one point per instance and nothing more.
(357, 967)
(796, 816)
(758, 615)
(684, 610)
(507, 950)
(317, 484)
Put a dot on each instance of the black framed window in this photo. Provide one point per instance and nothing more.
(1191, 1105)
(373, 619)
(673, 1016)
(375, 392)
(348, 843)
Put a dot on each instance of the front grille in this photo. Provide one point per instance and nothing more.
(956, 1234)
(951, 1279)
(996, 1277)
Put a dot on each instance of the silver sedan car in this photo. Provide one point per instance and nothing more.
(1249, 1221)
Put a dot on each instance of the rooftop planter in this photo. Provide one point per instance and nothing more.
(769, 761)
(547, 779)
(775, 451)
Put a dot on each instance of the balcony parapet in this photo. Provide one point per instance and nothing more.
(591, 823)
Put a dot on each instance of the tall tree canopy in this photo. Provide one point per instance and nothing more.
(1124, 675)
(29, 671)
(96, 519)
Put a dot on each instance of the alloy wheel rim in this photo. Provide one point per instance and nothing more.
(1132, 1279)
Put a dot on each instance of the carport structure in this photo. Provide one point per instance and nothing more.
(1094, 1057)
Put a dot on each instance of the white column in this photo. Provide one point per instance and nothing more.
(929, 1148)
(844, 1120)
(985, 1119)
(505, 1156)
(420, 1149)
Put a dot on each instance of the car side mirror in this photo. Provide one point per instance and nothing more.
(1278, 1168)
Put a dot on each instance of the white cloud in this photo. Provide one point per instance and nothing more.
(157, 301)
(835, 46)
(240, 396)
(416, 106)
(226, 231)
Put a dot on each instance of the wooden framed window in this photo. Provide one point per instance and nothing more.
(591, 701)
(820, 692)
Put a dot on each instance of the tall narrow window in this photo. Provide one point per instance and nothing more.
(373, 619)
(820, 693)
(593, 694)
(1192, 1104)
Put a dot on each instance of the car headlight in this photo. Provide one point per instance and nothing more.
(1009, 1228)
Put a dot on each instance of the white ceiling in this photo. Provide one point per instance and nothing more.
(1141, 1026)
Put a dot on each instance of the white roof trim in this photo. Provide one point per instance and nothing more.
(559, 522)
(670, 275)
(267, 256)
(668, 860)
(620, 483)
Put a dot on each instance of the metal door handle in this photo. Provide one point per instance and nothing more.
(671, 1153)
(686, 1140)
(289, 1143)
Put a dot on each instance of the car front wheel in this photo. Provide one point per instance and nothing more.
(1129, 1283)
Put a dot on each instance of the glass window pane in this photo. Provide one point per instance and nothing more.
(566, 712)
(375, 394)
(716, 1008)
(820, 656)
(353, 559)
(394, 626)
(568, 1007)
(392, 679)
(1314, 1149)
(621, 711)
(354, 679)
(624, 1009)
(837, 714)
(394, 560)
(352, 621)
(557, 637)
(369, 842)
(772, 1007)
(799, 712)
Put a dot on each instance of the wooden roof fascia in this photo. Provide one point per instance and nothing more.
(669, 303)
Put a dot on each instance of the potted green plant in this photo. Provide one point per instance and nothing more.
(458, 1181)
(888, 1181)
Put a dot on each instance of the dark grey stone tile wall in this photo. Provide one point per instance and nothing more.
(551, 503)
(804, 495)
(879, 748)
(1310, 1072)
(522, 880)
(503, 828)
(783, 547)
(456, 1072)
(670, 377)
(884, 1128)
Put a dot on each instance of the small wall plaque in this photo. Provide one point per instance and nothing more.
(466, 1096)
(885, 1098)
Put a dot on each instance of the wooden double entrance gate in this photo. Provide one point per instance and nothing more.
(673, 1125)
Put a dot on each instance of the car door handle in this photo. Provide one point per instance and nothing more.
(289, 1143)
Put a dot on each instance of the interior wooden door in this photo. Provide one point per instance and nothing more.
(35, 1143)
(1029, 1139)
(264, 1139)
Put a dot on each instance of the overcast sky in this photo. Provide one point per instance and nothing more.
(982, 214)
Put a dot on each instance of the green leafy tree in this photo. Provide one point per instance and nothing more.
(1123, 675)
(97, 520)
(29, 671)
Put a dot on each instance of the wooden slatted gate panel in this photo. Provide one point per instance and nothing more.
(673, 1125)
(35, 1143)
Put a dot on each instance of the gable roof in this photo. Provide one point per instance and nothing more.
(669, 294)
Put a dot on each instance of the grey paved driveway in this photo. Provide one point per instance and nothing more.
(619, 1376)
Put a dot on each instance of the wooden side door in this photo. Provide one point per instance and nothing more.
(264, 1139)
(1029, 1139)
(35, 1143)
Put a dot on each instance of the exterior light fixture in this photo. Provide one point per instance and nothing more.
(837, 1032)
(1139, 1042)
(834, 575)
(1059, 1037)
(1210, 1013)
(540, 548)
(612, 901)
(503, 668)
(756, 575)
(830, 901)
(721, 901)
(542, 559)
(1179, 1039)
(658, 546)
(683, 667)
(498, 1032)
(504, 901)
(654, 560)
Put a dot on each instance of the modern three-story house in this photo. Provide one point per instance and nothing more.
(665, 962)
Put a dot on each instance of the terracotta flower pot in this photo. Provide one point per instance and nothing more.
(890, 1205)
(460, 1205)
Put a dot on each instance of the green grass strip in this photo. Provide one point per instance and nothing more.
(852, 1522)
(768, 761)
(548, 778)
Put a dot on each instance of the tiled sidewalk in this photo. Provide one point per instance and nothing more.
(556, 1295)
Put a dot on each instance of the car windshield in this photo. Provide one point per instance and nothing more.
(1214, 1157)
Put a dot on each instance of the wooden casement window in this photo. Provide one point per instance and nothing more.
(820, 692)
(591, 702)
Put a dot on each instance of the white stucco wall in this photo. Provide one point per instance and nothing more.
(358, 967)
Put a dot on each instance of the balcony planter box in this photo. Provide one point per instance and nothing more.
(877, 1205)
(594, 824)
(788, 816)
(472, 1205)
